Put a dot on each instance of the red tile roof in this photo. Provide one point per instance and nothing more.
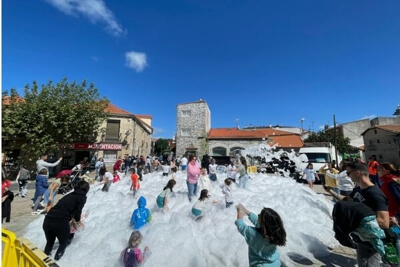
(390, 128)
(394, 128)
(144, 116)
(273, 136)
(224, 133)
(7, 100)
(113, 109)
(287, 141)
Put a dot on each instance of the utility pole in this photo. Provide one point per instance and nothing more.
(335, 139)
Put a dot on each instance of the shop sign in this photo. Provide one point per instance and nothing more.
(102, 146)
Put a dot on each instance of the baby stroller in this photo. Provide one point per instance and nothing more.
(74, 180)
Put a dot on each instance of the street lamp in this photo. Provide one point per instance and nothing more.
(301, 122)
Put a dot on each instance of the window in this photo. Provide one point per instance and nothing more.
(380, 157)
(219, 151)
(236, 150)
(318, 157)
(375, 131)
(185, 132)
(371, 142)
(112, 132)
(186, 113)
(377, 141)
(110, 156)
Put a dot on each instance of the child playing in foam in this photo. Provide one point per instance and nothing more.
(199, 206)
(227, 191)
(141, 215)
(205, 182)
(162, 199)
(132, 256)
(74, 226)
(135, 181)
(117, 178)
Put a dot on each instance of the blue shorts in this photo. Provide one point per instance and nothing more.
(213, 177)
(160, 202)
(196, 212)
(183, 167)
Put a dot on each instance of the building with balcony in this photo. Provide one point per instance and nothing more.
(123, 133)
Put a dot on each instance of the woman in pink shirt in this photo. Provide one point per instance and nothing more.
(193, 173)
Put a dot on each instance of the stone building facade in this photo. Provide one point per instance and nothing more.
(193, 124)
(354, 129)
(383, 142)
(194, 134)
(229, 141)
(126, 134)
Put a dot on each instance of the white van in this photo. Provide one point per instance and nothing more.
(318, 154)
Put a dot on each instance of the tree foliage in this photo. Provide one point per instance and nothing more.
(161, 145)
(343, 144)
(53, 117)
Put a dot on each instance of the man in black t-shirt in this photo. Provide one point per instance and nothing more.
(372, 196)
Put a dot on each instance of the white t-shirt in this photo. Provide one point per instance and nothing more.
(165, 168)
(213, 168)
(165, 193)
(199, 205)
(108, 176)
(205, 183)
(227, 191)
(232, 171)
(345, 182)
(184, 161)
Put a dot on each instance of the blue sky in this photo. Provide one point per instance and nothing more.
(262, 62)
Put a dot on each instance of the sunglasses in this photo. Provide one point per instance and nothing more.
(349, 172)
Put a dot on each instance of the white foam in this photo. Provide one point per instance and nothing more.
(175, 239)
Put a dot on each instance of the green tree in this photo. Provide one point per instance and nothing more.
(343, 144)
(161, 145)
(53, 117)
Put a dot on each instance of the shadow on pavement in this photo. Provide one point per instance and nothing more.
(297, 258)
(337, 260)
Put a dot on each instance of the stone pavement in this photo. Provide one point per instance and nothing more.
(21, 217)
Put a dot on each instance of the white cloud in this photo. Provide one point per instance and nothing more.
(136, 60)
(94, 10)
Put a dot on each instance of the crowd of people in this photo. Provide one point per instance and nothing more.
(263, 238)
(355, 182)
(375, 186)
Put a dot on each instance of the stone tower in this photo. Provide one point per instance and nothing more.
(193, 122)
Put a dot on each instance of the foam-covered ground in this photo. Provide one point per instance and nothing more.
(175, 239)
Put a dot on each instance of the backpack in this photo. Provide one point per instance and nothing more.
(129, 258)
(24, 174)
